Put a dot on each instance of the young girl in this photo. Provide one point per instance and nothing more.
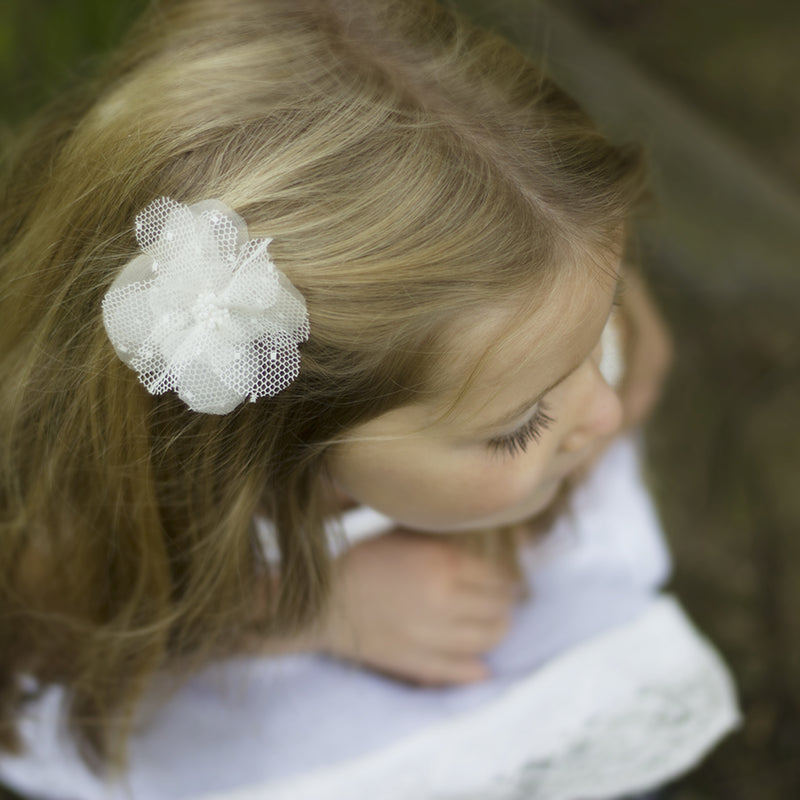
(307, 342)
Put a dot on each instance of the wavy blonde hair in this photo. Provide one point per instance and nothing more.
(409, 167)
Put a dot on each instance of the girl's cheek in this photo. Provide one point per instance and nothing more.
(505, 481)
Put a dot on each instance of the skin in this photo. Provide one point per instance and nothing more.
(459, 606)
(443, 474)
(649, 352)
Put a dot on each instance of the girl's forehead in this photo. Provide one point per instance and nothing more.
(514, 351)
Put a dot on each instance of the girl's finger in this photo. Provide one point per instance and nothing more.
(478, 574)
(483, 608)
(450, 670)
(476, 638)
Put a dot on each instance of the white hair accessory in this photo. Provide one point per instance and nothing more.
(204, 311)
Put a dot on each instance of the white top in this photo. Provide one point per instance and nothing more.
(602, 688)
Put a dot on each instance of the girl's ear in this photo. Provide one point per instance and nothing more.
(648, 351)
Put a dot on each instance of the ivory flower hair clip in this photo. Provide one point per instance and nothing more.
(204, 311)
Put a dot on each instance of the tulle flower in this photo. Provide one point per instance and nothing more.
(203, 311)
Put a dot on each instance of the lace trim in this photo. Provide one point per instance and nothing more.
(630, 709)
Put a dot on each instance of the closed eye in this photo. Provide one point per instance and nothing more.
(517, 441)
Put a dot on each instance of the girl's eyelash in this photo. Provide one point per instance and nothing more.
(517, 441)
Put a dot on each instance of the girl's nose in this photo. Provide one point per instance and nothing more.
(600, 416)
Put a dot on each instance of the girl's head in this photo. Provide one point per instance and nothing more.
(454, 223)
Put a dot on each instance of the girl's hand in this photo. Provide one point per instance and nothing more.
(418, 609)
(648, 351)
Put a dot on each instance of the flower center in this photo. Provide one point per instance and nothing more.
(209, 312)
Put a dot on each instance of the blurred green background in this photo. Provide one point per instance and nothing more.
(712, 89)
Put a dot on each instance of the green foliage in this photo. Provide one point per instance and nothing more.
(46, 45)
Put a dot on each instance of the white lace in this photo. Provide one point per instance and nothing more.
(630, 709)
(204, 311)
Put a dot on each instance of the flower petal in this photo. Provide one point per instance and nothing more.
(127, 313)
(254, 286)
(203, 390)
(204, 311)
(165, 231)
(221, 232)
(280, 364)
(265, 295)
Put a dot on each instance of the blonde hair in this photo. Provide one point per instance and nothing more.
(409, 167)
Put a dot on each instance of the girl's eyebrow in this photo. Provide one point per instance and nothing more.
(508, 420)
